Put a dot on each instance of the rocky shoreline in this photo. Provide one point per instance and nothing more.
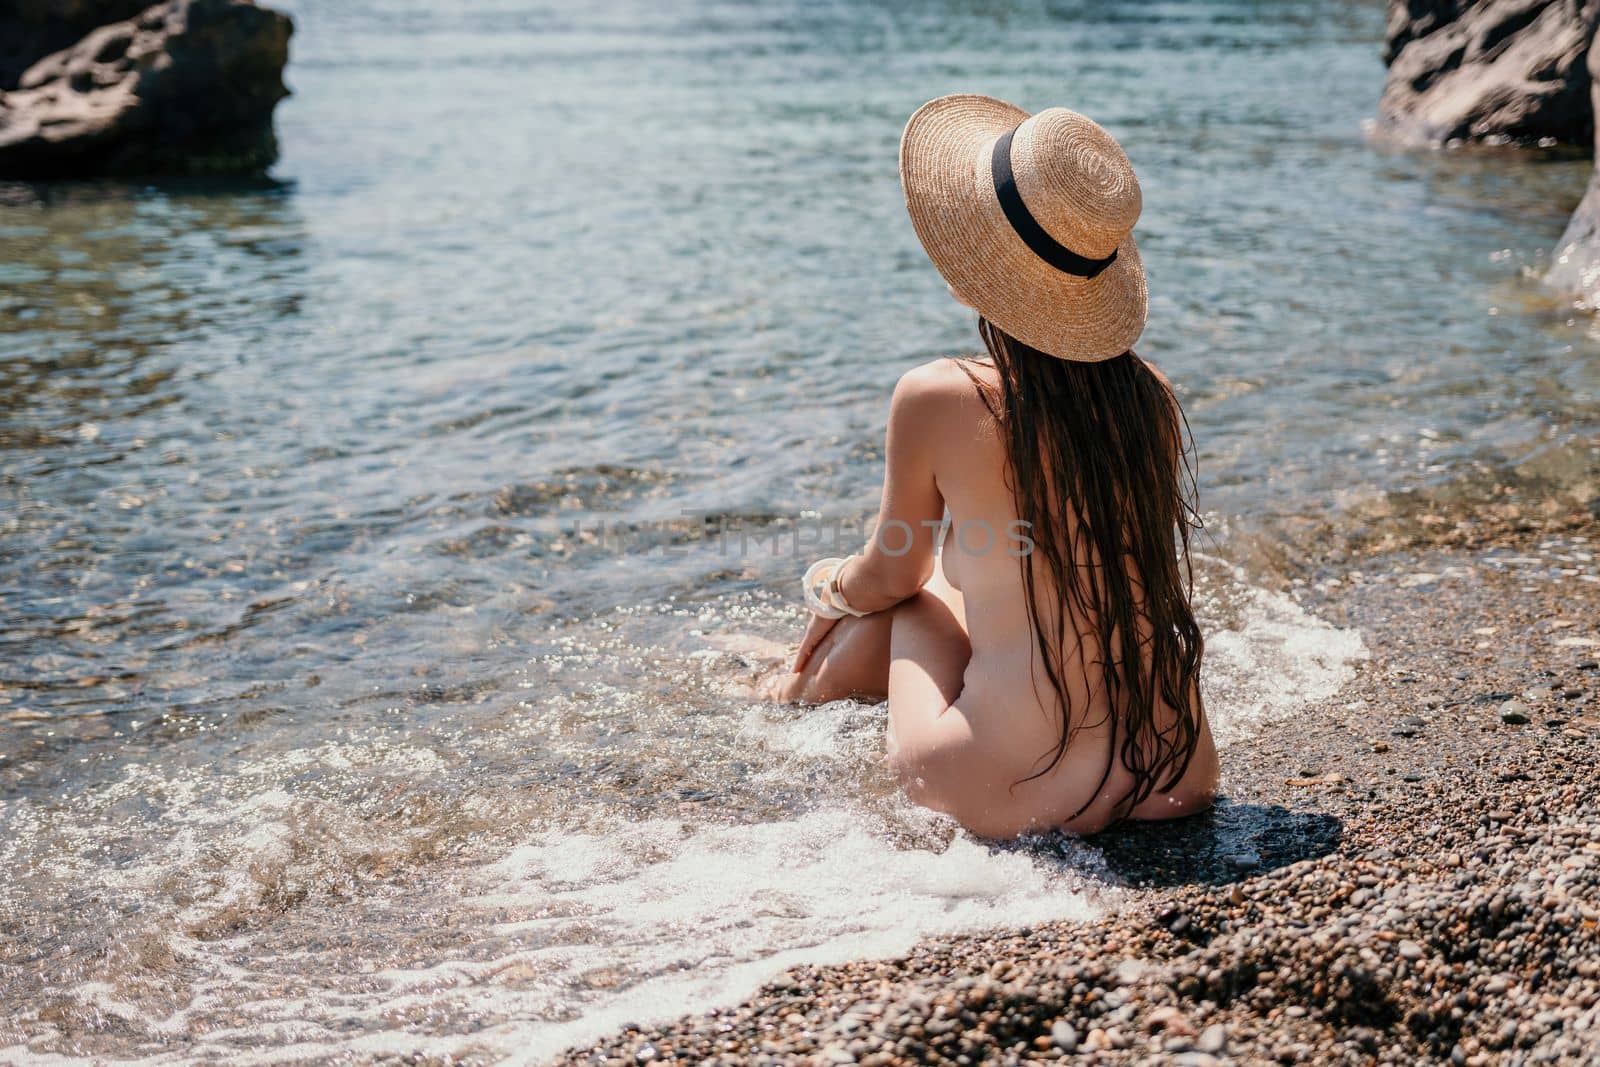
(1406, 872)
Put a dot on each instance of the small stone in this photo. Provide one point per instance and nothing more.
(1410, 726)
(1245, 860)
(1213, 1039)
(1196, 1059)
(645, 1054)
(1514, 712)
(837, 1054)
(1130, 971)
(1096, 1041)
(1063, 1036)
(1380, 746)
(1410, 950)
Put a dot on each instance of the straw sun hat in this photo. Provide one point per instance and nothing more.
(1030, 220)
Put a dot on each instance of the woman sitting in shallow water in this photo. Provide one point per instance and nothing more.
(1030, 684)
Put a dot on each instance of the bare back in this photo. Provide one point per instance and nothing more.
(971, 757)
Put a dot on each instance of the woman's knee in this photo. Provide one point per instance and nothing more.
(929, 653)
(929, 617)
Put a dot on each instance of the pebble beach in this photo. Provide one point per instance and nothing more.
(1420, 880)
(387, 542)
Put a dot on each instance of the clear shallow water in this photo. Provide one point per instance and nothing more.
(329, 723)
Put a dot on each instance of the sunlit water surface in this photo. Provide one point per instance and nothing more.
(365, 686)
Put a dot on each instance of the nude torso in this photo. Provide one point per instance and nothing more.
(1007, 698)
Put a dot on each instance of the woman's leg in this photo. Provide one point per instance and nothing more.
(933, 749)
(928, 656)
(854, 659)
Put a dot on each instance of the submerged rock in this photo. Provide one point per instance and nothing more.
(187, 86)
(1493, 71)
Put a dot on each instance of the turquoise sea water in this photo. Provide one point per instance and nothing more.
(345, 705)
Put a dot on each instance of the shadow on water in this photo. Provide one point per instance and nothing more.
(1229, 843)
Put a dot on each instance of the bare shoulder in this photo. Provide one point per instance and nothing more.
(943, 385)
(938, 405)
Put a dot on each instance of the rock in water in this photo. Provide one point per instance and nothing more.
(1575, 267)
(1503, 71)
(32, 29)
(1494, 71)
(188, 86)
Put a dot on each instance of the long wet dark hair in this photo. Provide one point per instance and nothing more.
(1099, 470)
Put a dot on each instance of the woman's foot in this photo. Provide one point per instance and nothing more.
(765, 657)
(782, 686)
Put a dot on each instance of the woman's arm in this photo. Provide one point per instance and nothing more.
(899, 557)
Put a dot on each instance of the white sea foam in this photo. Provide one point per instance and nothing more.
(1271, 658)
(712, 912)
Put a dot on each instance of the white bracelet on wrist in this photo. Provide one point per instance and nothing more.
(821, 588)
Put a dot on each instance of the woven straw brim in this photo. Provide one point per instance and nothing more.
(945, 170)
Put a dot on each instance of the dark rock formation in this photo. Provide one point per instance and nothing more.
(1575, 267)
(1504, 72)
(1494, 71)
(32, 29)
(187, 86)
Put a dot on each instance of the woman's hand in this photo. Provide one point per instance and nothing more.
(817, 629)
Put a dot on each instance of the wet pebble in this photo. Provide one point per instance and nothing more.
(1515, 712)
